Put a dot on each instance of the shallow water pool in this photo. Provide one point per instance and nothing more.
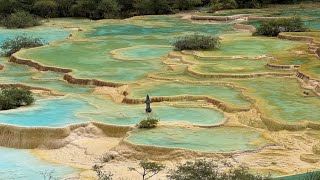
(224, 139)
(224, 93)
(20, 164)
(53, 112)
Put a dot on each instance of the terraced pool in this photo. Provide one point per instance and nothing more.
(22, 165)
(225, 139)
(136, 52)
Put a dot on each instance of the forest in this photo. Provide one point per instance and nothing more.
(101, 9)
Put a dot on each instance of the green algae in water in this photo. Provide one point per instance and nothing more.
(236, 66)
(13, 73)
(20, 164)
(243, 44)
(224, 139)
(144, 52)
(221, 92)
(283, 99)
(174, 25)
(93, 60)
(131, 115)
(113, 113)
(303, 176)
(49, 75)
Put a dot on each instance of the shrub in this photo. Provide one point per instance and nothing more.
(102, 175)
(186, 4)
(196, 42)
(311, 176)
(8, 6)
(222, 4)
(48, 175)
(251, 3)
(202, 169)
(199, 169)
(109, 8)
(276, 26)
(242, 173)
(11, 98)
(13, 45)
(46, 8)
(20, 19)
(148, 123)
(149, 169)
(152, 7)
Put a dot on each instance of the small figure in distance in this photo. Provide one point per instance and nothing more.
(148, 102)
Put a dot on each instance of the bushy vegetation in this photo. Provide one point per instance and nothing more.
(312, 176)
(11, 98)
(232, 4)
(20, 19)
(196, 42)
(202, 169)
(95, 9)
(148, 123)
(199, 170)
(223, 4)
(13, 45)
(102, 175)
(99, 9)
(276, 26)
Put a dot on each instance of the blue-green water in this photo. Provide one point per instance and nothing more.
(49, 112)
(221, 92)
(168, 29)
(47, 34)
(313, 24)
(131, 115)
(224, 139)
(17, 164)
(304, 176)
(145, 52)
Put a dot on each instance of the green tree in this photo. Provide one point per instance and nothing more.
(8, 7)
(196, 42)
(199, 169)
(13, 45)
(26, 5)
(20, 19)
(127, 8)
(242, 173)
(149, 169)
(216, 5)
(11, 98)
(109, 8)
(102, 175)
(6, 103)
(64, 7)
(46, 8)
(86, 8)
(276, 26)
(186, 4)
(208, 170)
(148, 123)
(144, 7)
(19, 96)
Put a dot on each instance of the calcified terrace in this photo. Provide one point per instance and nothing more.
(245, 103)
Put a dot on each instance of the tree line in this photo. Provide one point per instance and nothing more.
(96, 9)
(26, 13)
(100, 9)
